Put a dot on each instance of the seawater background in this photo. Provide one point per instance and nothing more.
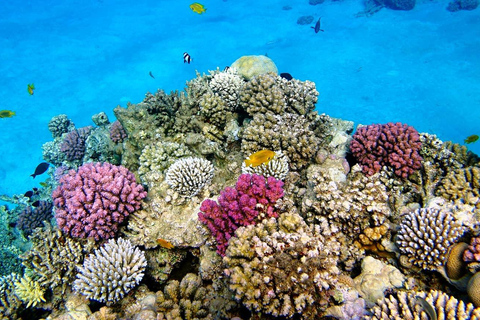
(420, 67)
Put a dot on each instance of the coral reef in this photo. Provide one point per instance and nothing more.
(425, 236)
(393, 144)
(111, 271)
(282, 267)
(9, 302)
(32, 217)
(29, 291)
(251, 66)
(277, 167)
(92, 201)
(462, 185)
(59, 125)
(405, 305)
(117, 133)
(252, 196)
(471, 255)
(73, 145)
(228, 85)
(188, 176)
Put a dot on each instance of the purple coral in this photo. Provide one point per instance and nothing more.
(31, 218)
(472, 254)
(73, 145)
(394, 145)
(117, 132)
(93, 201)
(240, 206)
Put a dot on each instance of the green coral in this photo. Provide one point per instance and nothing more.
(29, 291)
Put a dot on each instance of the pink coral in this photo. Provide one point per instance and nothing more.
(472, 254)
(240, 206)
(94, 200)
(394, 145)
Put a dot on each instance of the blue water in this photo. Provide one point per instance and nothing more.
(420, 67)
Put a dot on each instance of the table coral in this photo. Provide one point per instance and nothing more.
(111, 271)
(425, 235)
(94, 200)
(252, 196)
(188, 176)
(282, 267)
(394, 145)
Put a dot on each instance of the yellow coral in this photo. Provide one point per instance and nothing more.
(29, 291)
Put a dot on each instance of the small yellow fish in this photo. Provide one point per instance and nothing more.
(471, 138)
(164, 243)
(198, 8)
(6, 113)
(30, 88)
(260, 157)
(44, 184)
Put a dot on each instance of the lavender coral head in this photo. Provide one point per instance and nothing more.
(31, 218)
(394, 145)
(252, 196)
(93, 201)
(117, 132)
(73, 145)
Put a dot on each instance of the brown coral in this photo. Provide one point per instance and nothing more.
(462, 184)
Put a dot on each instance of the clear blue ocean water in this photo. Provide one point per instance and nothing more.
(420, 67)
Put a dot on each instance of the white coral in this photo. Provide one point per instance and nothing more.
(188, 176)
(277, 167)
(111, 272)
(228, 85)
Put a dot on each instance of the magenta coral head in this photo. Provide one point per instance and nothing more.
(394, 145)
(240, 206)
(94, 200)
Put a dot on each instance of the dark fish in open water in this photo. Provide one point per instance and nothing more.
(286, 75)
(471, 138)
(41, 168)
(186, 58)
(28, 194)
(317, 26)
(427, 307)
(151, 75)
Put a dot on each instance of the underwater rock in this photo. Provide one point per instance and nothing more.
(251, 66)
(399, 4)
(100, 119)
(457, 5)
(303, 20)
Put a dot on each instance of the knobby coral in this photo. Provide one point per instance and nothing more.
(188, 176)
(117, 132)
(29, 291)
(111, 271)
(394, 145)
(240, 206)
(73, 145)
(31, 218)
(93, 201)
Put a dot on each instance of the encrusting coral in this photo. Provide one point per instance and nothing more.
(111, 271)
(188, 176)
(282, 267)
(94, 200)
(425, 236)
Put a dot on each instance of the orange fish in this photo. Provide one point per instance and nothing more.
(164, 243)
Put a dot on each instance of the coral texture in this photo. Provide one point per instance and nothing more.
(9, 302)
(111, 271)
(277, 167)
(188, 176)
(251, 66)
(29, 291)
(227, 85)
(394, 145)
(117, 133)
(425, 236)
(461, 184)
(59, 125)
(405, 305)
(282, 267)
(93, 201)
(240, 206)
(73, 145)
(31, 218)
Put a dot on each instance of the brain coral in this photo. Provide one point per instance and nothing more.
(188, 176)
(93, 201)
(111, 271)
(251, 66)
(394, 145)
(282, 267)
(425, 236)
(405, 305)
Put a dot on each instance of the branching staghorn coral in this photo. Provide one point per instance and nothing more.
(409, 305)
(282, 267)
(188, 176)
(425, 236)
(111, 272)
(54, 257)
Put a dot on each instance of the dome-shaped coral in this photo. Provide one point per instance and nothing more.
(188, 176)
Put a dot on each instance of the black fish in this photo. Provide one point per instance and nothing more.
(28, 194)
(286, 75)
(226, 68)
(317, 26)
(151, 75)
(41, 168)
(186, 58)
(36, 204)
